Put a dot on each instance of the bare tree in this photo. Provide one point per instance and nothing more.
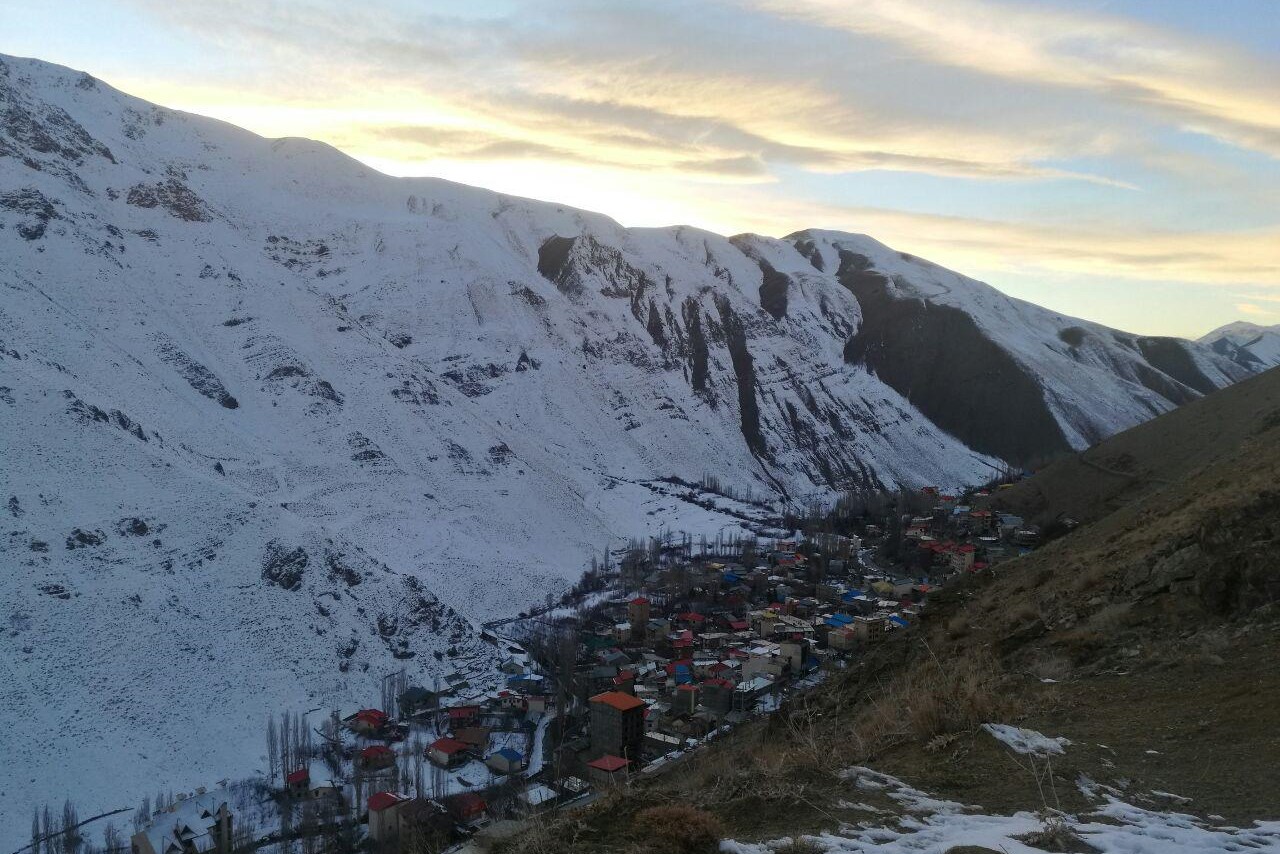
(143, 816)
(112, 839)
(70, 838)
(273, 749)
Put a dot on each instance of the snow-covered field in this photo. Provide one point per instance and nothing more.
(276, 424)
(936, 826)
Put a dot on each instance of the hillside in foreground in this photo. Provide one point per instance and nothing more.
(1141, 647)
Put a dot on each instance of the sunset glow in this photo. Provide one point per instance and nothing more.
(1086, 157)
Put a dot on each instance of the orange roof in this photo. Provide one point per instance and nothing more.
(618, 700)
(609, 763)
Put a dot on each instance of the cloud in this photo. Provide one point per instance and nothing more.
(1107, 252)
(456, 144)
(1043, 118)
(703, 84)
(1221, 91)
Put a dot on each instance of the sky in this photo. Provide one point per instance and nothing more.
(1117, 160)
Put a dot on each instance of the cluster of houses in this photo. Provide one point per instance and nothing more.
(710, 643)
(963, 534)
(704, 644)
(196, 823)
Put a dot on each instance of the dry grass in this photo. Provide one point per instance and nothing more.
(1057, 836)
(936, 698)
(679, 829)
(800, 846)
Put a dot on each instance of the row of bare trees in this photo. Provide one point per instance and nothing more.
(289, 745)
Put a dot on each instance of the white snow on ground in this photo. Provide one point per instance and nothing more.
(934, 826)
(277, 425)
(1026, 741)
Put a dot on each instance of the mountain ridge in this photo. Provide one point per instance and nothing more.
(356, 415)
(1249, 344)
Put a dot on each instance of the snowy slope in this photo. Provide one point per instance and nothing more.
(1246, 344)
(278, 424)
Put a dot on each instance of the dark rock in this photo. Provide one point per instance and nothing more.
(284, 568)
(132, 527)
(172, 195)
(35, 208)
(937, 357)
(80, 538)
(773, 290)
(197, 375)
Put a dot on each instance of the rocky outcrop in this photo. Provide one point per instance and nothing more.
(938, 358)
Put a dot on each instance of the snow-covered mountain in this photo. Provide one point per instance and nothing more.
(1248, 344)
(276, 424)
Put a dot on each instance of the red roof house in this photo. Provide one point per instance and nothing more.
(608, 770)
(377, 756)
(461, 714)
(608, 763)
(368, 720)
(467, 806)
(447, 751)
(385, 800)
(618, 700)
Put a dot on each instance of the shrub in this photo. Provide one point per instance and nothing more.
(679, 829)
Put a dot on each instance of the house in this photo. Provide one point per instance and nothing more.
(868, 628)
(608, 771)
(424, 825)
(197, 825)
(476, 737)
(749, 691)
(638, 616)
(384, 821)
(377, 756)
(572, 786)
(322, 785)
(367, 721)
(297, 783)
(460, 716)
(467, 808)
(505, 761)
(617, 724)
(447, 752)
(842, 639)
(528, 682)
(415, 701)
(793, 653)
(536, 798)
(535, 704)
(661, 743)
(686, 699)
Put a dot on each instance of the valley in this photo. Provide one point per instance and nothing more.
(279, 424)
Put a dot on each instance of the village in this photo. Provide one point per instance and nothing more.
(684, 643)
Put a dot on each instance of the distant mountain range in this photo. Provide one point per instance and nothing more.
(279, 423)
(1248, 344)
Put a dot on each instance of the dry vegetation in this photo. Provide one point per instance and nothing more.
(1155, 624)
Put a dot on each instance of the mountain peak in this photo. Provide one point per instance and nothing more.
(318, 388)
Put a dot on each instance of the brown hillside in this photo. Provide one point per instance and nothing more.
(1147, 637)
(1123, 468)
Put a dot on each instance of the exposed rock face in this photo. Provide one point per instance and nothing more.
(938, 358)
(171, 195)
(319, 388)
